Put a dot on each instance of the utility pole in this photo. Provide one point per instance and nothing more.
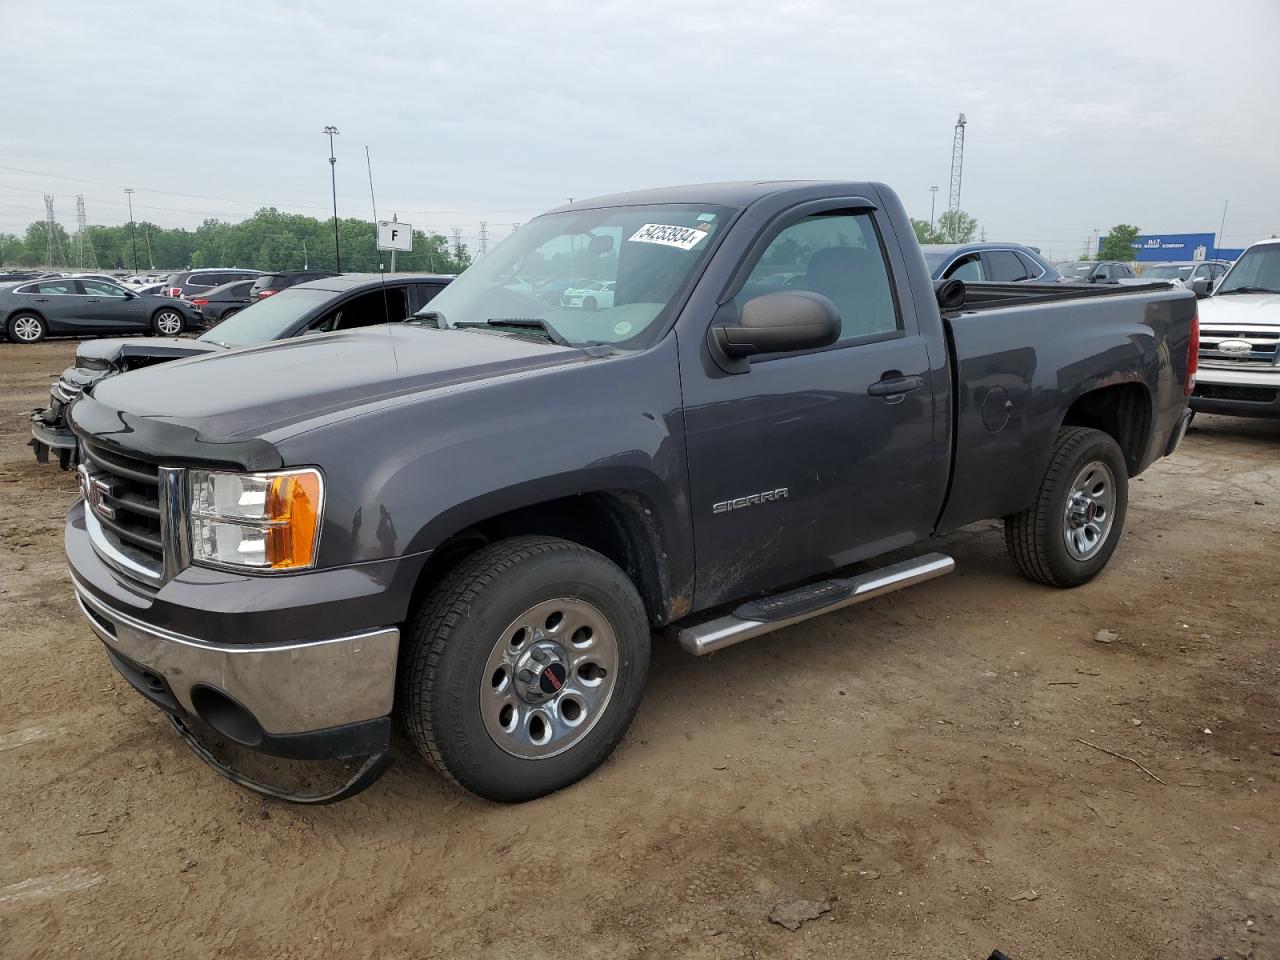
(333, 183)
(933, 201)
(146, 235)
(305, 265)
(133, 230)
(483, 246)
(457, 244)
(1221, 227)
(957, 169)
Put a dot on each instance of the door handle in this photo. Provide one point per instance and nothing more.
(894, 386)
(42, 299)
(95, 300)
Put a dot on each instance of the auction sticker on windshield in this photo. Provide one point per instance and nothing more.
(686, 238)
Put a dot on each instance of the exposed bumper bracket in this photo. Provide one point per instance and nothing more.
(373, 768)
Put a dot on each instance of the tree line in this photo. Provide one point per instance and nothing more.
(269, 240)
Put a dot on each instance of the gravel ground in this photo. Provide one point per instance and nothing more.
(915, 764)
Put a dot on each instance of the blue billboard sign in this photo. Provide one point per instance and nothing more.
(1174, 246)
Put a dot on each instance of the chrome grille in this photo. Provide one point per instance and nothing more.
(1264, 347)
(125, 502)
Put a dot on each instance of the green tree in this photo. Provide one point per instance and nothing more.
(1118, 244)
(923, 231)
(955, 226)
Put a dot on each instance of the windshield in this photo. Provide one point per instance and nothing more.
(602, 276)
(265, 320)
(1168, 271)
(1257, 271)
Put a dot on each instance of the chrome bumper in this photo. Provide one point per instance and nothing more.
(288, 688)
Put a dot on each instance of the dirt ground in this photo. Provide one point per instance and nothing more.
(915, 762)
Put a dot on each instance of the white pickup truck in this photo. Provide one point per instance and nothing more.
(1240, 338)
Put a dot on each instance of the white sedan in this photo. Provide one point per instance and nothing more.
(594, 296)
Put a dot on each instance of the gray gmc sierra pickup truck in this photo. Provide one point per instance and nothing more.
(475, 519)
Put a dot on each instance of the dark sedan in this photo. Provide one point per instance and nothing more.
(71, 306)
(224, 301)
(997, 262)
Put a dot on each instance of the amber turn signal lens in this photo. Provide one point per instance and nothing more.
(293, 508)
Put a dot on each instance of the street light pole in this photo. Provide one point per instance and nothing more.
(333, 182)
(933, 199)
(133, 231)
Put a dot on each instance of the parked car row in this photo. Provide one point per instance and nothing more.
(74, 306)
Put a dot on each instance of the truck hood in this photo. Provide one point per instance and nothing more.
(1253, 308)
(285, 387)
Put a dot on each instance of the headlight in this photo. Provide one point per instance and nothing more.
(262, 521)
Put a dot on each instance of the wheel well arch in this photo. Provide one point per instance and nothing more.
(620, 524)
(1123, 410)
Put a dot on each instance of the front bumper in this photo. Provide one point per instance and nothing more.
(313, 701)
(300, 666)
(1253, 392)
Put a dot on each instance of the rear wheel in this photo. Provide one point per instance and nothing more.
(167, 323)
(27, 328)
(1067, 536)
(230, 313)
(524, 667)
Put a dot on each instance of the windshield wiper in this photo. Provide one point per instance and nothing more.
(520, 324)
(1222, 293)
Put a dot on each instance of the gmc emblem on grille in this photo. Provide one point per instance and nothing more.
(94, 491)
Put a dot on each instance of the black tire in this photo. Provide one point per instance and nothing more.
(1037, 537)
(457, 629)
(163, 312)
(230, 313)
(41, 327)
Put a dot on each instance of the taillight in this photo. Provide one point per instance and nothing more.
(199, 301)
(263, 294)
(173, 292)
(1193, 353)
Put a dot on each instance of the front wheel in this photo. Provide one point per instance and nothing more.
(167, 323)
(1067, 536)
(524, 667)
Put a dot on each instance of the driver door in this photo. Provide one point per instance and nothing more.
(111, 309)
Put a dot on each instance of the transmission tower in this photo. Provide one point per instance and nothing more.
(483, 246)
(957, 168)
(82, 236)
(457, 243)
(52, 242)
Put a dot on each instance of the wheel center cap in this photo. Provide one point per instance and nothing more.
(1083, 510)
(541, 672)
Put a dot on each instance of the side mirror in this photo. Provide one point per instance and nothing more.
(1201, 287)
(779, 322)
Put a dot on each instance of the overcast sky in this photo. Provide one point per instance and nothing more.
(1152, 113)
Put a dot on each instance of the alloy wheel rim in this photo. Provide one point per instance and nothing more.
(1090, 510)
(169, 323)
(549, 678)
(26, 328)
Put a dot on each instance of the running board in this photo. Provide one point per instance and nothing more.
(759, 617)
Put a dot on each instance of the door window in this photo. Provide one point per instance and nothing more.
(969, 269)
(100, 288)
(56, 288)
(365, 311)
(1005, 267)
(837, 255)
